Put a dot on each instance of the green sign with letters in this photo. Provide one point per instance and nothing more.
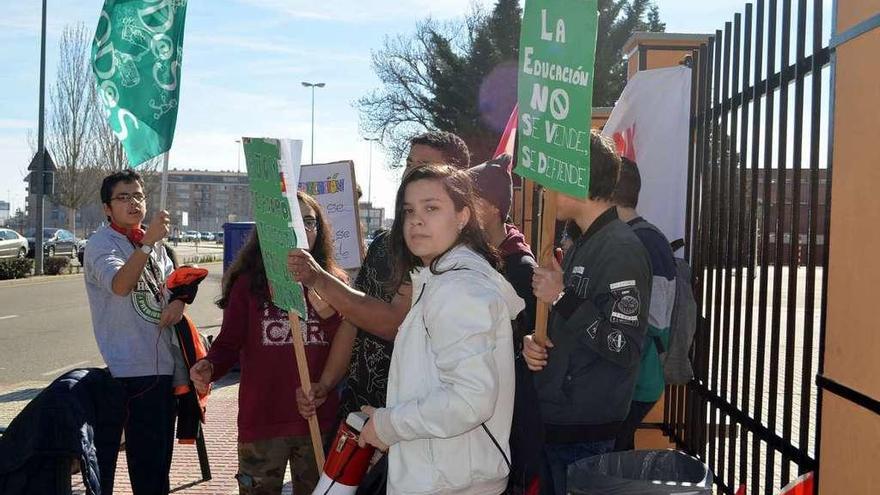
(272, 214)
(555, 93)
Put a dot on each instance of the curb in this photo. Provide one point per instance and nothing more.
(37, 280)
(46, 279)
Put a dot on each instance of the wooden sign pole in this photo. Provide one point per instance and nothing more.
(546, 250)
(302, 367)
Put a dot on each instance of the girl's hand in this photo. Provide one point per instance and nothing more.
(368, 435)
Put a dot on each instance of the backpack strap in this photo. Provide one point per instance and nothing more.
(497, 446)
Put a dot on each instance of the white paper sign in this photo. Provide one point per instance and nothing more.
(291, 153)
(333, 185)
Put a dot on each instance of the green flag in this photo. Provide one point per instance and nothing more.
(555, 93)
(136, 57)
(274, 215)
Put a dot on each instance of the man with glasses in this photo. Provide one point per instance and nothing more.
(125, 272)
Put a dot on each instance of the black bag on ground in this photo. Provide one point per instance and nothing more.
(640, 472)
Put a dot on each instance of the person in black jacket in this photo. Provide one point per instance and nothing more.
(77, 419)
(494, 188)
(586, 372)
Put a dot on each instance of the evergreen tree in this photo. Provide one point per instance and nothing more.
(461, 77)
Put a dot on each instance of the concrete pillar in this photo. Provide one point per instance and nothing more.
(850, 433)
(645, 51)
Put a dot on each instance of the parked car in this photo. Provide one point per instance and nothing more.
(81, 248)
(190, 236)
(218, 237)
(12, 244)
(206, 236)
(56, 242)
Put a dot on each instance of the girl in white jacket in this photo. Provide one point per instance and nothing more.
(451, 383)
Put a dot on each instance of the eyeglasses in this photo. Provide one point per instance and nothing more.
(311, 224)
(130, 198)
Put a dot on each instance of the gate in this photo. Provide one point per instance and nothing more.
(758, 209)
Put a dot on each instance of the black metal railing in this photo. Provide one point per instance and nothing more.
(758, 209)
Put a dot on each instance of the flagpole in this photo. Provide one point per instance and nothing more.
(163, 194)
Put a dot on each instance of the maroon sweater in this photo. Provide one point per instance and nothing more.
(257, 334)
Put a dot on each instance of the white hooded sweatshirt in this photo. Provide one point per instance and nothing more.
(451, 372)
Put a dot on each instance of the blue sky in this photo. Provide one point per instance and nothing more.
(243, 64)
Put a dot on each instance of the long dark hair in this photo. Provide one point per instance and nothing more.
(249, 259)
(460, 189)
(324, 250)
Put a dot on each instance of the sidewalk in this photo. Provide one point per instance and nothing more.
(220, 438)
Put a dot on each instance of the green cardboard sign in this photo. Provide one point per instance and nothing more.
(555, 93)
(272, 214)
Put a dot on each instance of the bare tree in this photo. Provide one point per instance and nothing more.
(408, 66)
(108, 154)
(69, 134)
(400, 108)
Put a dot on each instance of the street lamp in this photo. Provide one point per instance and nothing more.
(370, 179)
(313, 86)
(238, 153)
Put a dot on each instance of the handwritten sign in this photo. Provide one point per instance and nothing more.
(333, 186)
(555, 93)
(275, 215)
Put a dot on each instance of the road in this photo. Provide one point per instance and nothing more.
(46, 329)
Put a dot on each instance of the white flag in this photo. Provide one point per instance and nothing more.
(650, 126)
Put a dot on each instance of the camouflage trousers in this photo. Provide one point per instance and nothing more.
(262, 464)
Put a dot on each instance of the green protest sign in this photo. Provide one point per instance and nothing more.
(136, 57)
(272, 214)
(555, 93)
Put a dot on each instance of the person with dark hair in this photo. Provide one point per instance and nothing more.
(438, 147)
(375, 305)
(451, 385)
(586, 370)
(650, 383)
(494, 189)
(125, 272)
(256, 333)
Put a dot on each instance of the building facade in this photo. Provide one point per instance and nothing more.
(372, 218)
(5, 212)
(209, 199)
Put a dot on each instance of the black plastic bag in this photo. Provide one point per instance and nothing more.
(640, 472)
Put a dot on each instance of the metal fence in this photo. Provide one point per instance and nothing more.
(758, 210)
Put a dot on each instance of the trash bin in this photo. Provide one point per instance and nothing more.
(640, 472)
(235, 234)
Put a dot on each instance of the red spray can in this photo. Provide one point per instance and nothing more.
(346, 463)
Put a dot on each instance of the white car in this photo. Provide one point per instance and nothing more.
(12, 244)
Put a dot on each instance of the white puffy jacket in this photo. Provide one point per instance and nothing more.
(452, 371)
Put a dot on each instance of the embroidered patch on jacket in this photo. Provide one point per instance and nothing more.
(579, 284)
(616, 341)
(626, 303)
(593, 329)
(623, 284)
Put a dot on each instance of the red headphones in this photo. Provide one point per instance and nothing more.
(135, 235)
